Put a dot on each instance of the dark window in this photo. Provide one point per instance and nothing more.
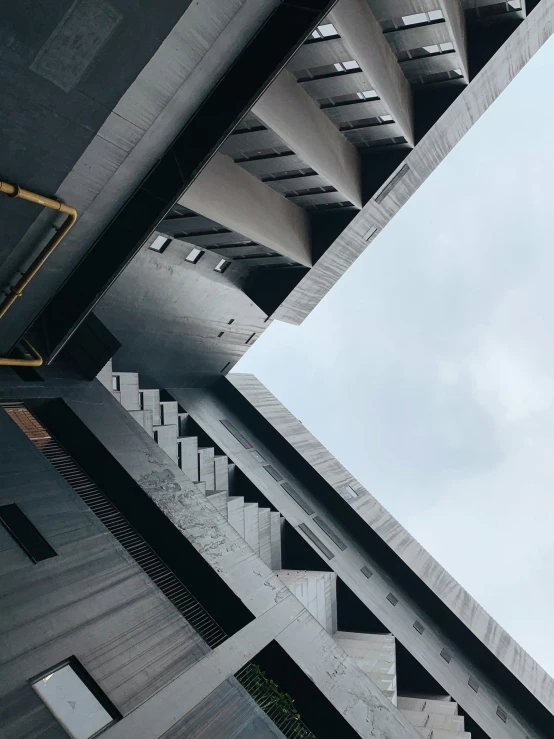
(445, 654)
(330, 533)
(319, 544)
(236, 433)
(156, 436)
(297, 497)
(231, 321)
(249, 339)
(116, 384)
(473, 684)
(25, 534)
(273, 472)
(220, 334)
(419, 627)
(224, 368)
(366, 571)
(258, 456)
(75, 699)
(501, 713)
(392, 599)
(395, 180)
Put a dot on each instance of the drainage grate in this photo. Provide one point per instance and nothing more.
(120, 528)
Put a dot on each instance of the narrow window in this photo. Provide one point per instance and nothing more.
(445, 654)
(366, 571)
(295, 495)
(194, 255)
(501, 713)
(220, 334)
(222, 265)
(392, 599)
(160, 244)
(324, 526)
(369, 233)
(473, 684)
(116, 382)
(258, 456)
(25, 533)
(419, 627)
(316, 540)
(232, 429)
(273, 472)
(75, 700)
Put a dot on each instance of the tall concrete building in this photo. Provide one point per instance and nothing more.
(179, 557)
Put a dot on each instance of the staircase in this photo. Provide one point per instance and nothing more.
(435, 717)
(211, 472)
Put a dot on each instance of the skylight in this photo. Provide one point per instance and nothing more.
(160, 243)
(366, 94)
(345, 66)
(222, 265)
(447, 46)
(325, 30)
(193, 255)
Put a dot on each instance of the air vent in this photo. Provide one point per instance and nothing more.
(473, 684)
(392, 184)
(319, 544)
(273, 472)
(445, 654)
(232, 429)
(25, 533)
(501, 713)
(366, 571)
(420, 628)
(330, 533)
(295, 495)
(392, 599)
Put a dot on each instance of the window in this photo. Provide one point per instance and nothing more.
(232, 429)
(258, 457)
(447, 46)
(346, 66)
(25, 534)
(445, 654)
(295, 495)
(220, 334)
(419, 627)
(392, 599)
(75, 700)
(369, 233)
(501, 713)
(330, 533)
(324, 31)
(430, 17)
(231, 321)
(366, 571)
(473, 684)
(194, 255)
(346, 492)
(160, 243)
(367, 94)
(273, 472)
(386, 118)
(222, 265)
(319, 544)
(116, 383)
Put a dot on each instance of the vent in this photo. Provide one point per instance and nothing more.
(330, 533)
(232, 429)
(392, 599)
(501, 713)
(473, 684)
(121, 529)
(370, 232)
(419, 627)
(445, 654)
(273, 472)
(366, 571)
(319, 544)
(23, 531)
(295, 495)
(392, 184)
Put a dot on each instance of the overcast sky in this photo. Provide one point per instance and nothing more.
(428, 370)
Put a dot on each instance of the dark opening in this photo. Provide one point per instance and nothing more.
(355, 616)
(297, 554)
(412, 677)
(25, 533)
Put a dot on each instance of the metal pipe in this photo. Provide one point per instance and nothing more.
(14, 191)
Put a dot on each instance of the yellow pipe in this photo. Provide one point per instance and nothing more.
(16, 291)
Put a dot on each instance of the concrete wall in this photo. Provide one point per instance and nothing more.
(92, 601)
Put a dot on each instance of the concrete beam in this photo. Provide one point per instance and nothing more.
(228, 194)
(362, 34)
(288, 110)
(456, 24)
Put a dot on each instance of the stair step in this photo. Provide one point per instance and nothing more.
(128, 386)
(430, 706)
(189, 456)
(264, 517)
(166, 438)
(145, 420)
(149, 400)
(235, 513)
(221, 472)
(252, 526)
(275, 532)
(434, 720)
(206, 466)
(168, 413)
(317, 591)
(219, 500)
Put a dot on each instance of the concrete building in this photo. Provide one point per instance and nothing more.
(179, 557)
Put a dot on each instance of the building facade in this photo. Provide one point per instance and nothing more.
(179, 556)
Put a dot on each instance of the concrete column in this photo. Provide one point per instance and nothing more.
(288, 110)
(456, 23)
(228, 194)
(362, 34)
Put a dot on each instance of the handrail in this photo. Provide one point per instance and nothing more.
(14, 191)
